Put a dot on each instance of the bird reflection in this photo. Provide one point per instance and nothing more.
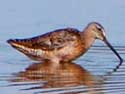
(65, 75)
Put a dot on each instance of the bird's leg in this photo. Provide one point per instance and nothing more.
(55, 62)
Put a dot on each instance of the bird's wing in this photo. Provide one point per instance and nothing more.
(56, 40)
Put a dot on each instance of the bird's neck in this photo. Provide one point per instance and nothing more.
(88, 38)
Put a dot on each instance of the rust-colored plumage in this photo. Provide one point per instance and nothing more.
(62, 44)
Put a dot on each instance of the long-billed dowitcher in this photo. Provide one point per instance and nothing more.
(63, 44)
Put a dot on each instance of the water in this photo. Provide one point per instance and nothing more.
(87, 75)
(97, 72)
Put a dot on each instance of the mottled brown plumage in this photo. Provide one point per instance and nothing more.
(62, 44)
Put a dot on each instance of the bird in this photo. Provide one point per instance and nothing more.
(62, 45)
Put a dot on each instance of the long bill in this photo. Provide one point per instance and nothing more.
(111, 47)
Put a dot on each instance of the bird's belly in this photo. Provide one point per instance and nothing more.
(70, 53)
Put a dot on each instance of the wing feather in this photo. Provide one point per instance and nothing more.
(55, 40)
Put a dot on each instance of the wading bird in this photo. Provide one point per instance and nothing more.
(62, 45)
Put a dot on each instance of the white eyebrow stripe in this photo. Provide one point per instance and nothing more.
(103, 33)
(98, 26)
(102, 29)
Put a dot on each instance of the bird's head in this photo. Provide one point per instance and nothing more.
(98, 32)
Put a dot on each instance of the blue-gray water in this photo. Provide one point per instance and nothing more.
(23, 19)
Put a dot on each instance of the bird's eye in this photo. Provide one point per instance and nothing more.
(99, 29)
